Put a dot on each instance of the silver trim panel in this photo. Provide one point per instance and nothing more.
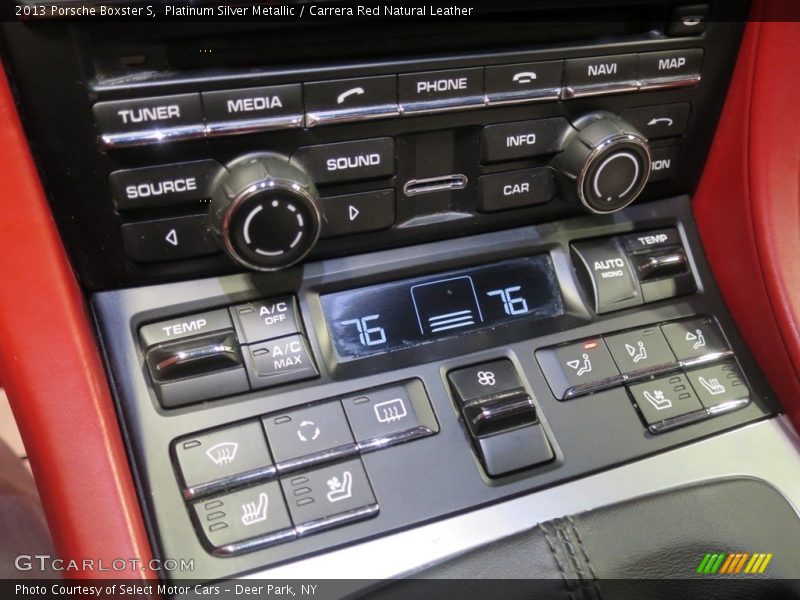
(151, 136)
(254, 125)
(382, 111)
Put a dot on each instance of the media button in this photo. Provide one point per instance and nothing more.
(440, 90)
(600, 75)
(149, 120)
(253, 109)
(525, 82)
(347, 100)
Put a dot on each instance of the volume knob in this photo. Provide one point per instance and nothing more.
(265, 212)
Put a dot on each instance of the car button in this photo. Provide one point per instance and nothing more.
(254, 109)
(661, 121)
(216, 459)
(440, 90)
(357, 213)
(303, 436)
(149, 120)
(279, 361)
(348, 161)
(515, 189)
(664, 161)
(329, 496)
(347, 100)
(695, 340)
(484, 379)
(720, 387)
(578, 368)
(664, 401)
(184, 327)
(658, 69)
(606, 274)
(164, 185)
(168, 239)
(389, 415)
(641, 350)
(599, 75)
(526, 82)
(266, 319)
(252, 518)
(522, 139)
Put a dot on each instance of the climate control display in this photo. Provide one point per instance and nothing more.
(398, 315)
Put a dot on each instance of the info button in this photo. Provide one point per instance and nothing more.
(522, 139)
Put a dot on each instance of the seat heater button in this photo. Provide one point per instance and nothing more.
(607, 275)
(664, 399)
(329, 496)
(318, 430)
(279, 361)
(255, 512)
(266, 319)
(578, 367)
(720, 386)
(640, 350)
(207, 460)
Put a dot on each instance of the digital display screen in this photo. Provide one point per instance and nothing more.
(392, 316)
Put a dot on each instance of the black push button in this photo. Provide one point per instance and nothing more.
(600, 75)
(357, 213)
(720, 387)
(485, 379)
(304, 435)
(390, 414)
(168, 239)
(148, 120)
(440, 90)
(657, 68)
(663, 400)
(525, 82)
(688, 19)
(607, 275)
(513, 450)
(515, 189)
(348, 161)
(664, 161)
(329, 496)
(266, 319)
(164, 185)
(185, 327)
(647, 241)
(523, 139)
(210, 461)
(350, 99)
(254, 108)
(279, 361)
(641, 350)
(578, 368)
(661, 121)
(257, 515)
(695, 339)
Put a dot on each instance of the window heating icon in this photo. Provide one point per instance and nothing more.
(390, 411)
(222, 454)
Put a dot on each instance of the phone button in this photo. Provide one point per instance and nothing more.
(345, 100)
(525, 82)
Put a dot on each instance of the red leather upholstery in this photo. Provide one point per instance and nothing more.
(748, 203)
(51, 369)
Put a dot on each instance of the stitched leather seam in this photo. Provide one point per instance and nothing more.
(585, 553)
(561, 569)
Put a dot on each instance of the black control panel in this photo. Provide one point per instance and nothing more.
(182, 156)
(279, 415)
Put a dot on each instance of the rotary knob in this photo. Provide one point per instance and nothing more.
(265, 212)
(606, 163)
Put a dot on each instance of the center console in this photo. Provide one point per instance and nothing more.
(344, 295)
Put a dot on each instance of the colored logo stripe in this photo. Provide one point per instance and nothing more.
(734, 563)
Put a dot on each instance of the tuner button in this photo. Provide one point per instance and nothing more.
(265, 212)
(606, 163)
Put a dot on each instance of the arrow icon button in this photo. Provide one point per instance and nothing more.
(353, 212)
(172, 237)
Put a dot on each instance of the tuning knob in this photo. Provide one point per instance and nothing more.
(264, 211)
(605, 162)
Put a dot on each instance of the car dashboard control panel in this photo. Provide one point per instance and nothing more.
(277, 415)
(203, 152)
